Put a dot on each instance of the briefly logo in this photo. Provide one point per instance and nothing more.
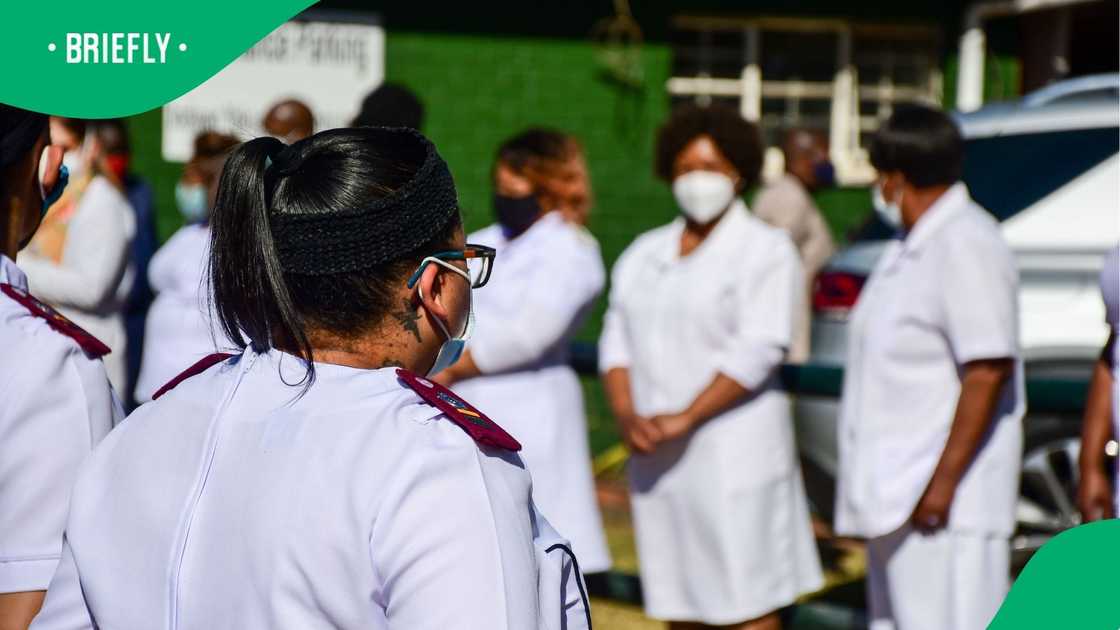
(117, 48)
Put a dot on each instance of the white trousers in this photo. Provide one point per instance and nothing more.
(944, 581)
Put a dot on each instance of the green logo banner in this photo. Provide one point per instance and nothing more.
(1070, 583)
(105, 59)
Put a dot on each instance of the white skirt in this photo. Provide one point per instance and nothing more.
(721, 519)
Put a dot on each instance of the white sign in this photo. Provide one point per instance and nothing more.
(328, 65)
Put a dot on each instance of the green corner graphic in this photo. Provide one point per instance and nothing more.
(106, 59)
(1070, 583)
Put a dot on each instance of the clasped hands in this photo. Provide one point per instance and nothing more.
(644, 435)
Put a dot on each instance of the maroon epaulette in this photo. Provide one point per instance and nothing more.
(200, 366)
(90, 344)
(482, 429)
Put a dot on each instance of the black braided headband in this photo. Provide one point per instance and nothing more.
(352, 240)
(19, 129)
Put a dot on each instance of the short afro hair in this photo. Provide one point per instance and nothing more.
(535, 148)
(922, 143)
(736, 138)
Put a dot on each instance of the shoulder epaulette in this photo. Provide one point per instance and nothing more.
(90, 344)
(481, 429)
(203, 364)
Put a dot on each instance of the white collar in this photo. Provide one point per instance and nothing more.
(951, 202)
(11, 274)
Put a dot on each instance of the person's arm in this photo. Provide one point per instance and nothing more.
(1094, 494)
(551, 303)
(639, 434)
(765, 307)
(980, 389)
(65, 607)
(94, 259)
(978, 300)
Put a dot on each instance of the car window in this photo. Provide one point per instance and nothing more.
(1007, 174)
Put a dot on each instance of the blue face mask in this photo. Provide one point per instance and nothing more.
(193, 201)
(824, 174)
(56, 192)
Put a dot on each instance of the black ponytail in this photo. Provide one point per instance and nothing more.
(320, 236)
(251, 297)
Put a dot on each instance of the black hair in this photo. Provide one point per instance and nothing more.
(534, 146)
(113, 135)
(19, 131)
(735, 137)
(323, 178)
(922, 143)
(391, 105)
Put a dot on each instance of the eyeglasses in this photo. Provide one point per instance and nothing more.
(479, 259)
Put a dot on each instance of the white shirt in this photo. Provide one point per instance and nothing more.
(233, 501)
(92, 282)
(543, 284)
(56, 405)
(181, 327)
(944, 296)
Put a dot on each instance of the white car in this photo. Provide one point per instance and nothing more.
(1048, 168)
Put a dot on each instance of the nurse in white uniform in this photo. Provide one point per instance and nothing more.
(314, 480)
(930, 428)
(701, 315)
(55, 398)
(516, 365)
(181, 327)
(1095, 498)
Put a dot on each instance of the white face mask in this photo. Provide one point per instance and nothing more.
(75, 162)
(452, 347)
(703, 195)
(890, 213)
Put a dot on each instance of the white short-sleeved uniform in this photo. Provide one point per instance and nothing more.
(943, 296)
(542, 286)
(180, 328)
(721, 519)
(1110, 293)
(233, 502)
(55, 405)
(91, 283)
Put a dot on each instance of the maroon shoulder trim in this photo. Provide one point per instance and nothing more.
(90, 344)
(200, 366)
(482, 429)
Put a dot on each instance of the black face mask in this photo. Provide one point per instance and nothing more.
(516, 214)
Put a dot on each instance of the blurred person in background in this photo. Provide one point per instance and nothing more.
(180, 329)
(930, 429)
(391, 105)
(289, 121)
(516, 364)
(700, 318)
(80, 260)
(1096, 497)
(57, 403)
(788, 203)
(113, 134)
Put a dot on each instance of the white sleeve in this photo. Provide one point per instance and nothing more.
(552, 301)
(57, 404)
(94, 258)
(561, 591)
(614, 345)
(980, 299)
(65, 606)
(452, 547)
(766, 303)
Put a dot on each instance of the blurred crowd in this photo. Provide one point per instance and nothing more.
(701, 314)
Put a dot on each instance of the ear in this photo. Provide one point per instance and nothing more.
(429, 291)
(51, 161)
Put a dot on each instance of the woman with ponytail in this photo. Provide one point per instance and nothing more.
(317, 478)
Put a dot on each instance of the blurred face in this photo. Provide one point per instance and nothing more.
(702, 154)
(570, 185)
(511, 184)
